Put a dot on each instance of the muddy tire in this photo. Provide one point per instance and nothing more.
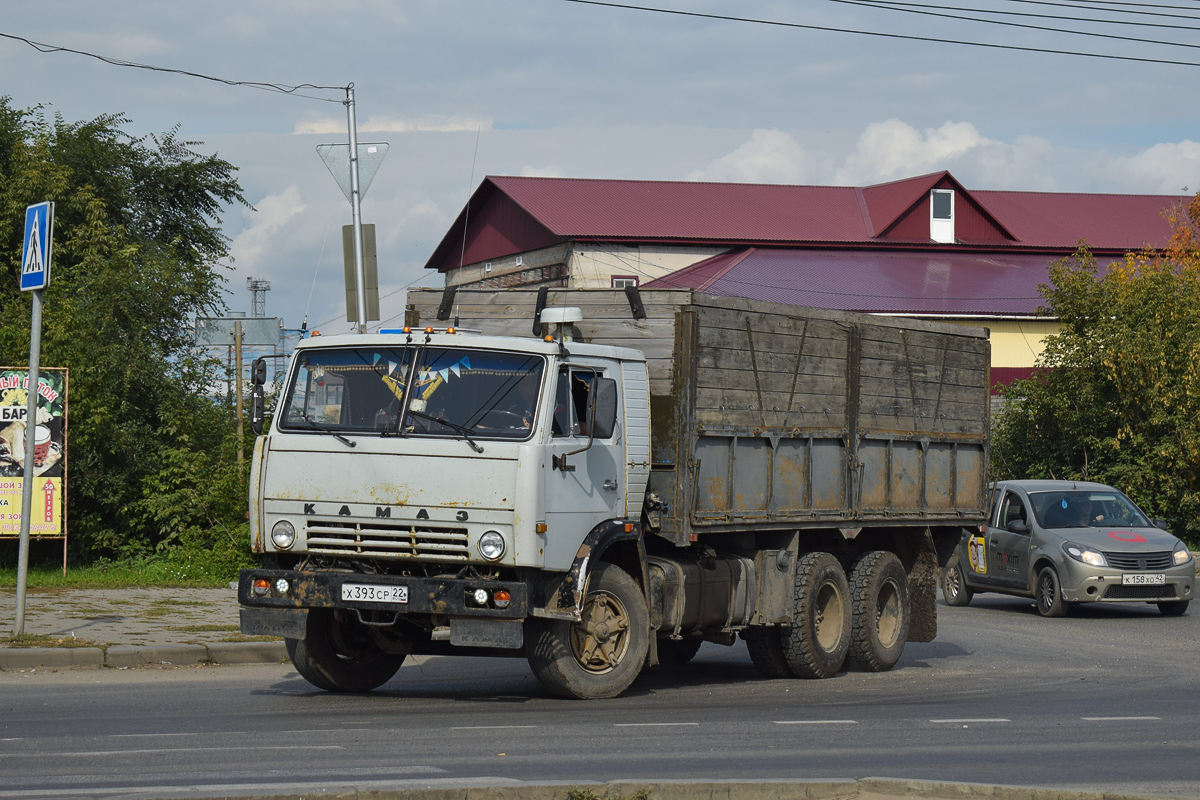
(339, 655)
(674, 652)
(1048, 594)
(766, 651)
(954, 585)
(602, 654)
(816, 644)
(881, 612)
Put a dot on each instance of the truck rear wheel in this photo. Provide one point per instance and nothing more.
(339, 655)
(881, 612)
(815, 645)
(766, 651)
(602, 654)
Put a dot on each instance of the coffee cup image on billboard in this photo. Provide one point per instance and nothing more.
(47, 450)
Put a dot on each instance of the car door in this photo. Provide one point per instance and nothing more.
(1008, 543)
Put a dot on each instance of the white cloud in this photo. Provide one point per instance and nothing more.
(432, 124)
(528, 171)
(1168, 167)
(274, 212)
(770, 156)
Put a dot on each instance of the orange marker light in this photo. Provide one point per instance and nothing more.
(429, 330)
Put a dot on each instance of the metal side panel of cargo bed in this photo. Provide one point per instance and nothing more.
(767, 416)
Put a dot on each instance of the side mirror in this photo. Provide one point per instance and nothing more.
(258, 406)
(1161, 523)
(258, 403)
(1018, 526)
(604, 413)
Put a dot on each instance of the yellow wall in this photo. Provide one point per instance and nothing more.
(1015, 342)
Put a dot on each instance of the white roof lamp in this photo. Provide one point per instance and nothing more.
(562, 321)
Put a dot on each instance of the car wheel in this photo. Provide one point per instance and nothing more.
(1173, 608)
(1050, 601)
(954, 585)
(766, 651)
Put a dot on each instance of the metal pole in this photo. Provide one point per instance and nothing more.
(35, 357)
(360, 278)
(237, 345)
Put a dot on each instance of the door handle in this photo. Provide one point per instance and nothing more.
(611, 484)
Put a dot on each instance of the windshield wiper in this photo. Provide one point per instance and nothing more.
(318, 426)
(466, 432)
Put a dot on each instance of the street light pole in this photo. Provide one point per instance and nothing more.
(360, 293)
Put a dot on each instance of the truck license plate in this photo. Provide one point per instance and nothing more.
(1143, 579)
(374, 593)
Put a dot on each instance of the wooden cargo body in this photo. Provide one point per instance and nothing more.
(768, 417)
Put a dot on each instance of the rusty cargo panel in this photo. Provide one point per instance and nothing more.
(775, 417)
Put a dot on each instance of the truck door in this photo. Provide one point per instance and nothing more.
(1008, 542)
(583, 484)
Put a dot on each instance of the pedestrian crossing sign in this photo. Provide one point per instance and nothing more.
(35, 257)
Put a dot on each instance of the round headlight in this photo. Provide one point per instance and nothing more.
(491, 545)
(283, 535)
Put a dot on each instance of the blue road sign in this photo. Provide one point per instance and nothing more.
(35, 258)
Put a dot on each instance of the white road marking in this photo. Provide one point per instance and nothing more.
(965, 721)
(654, 724)
(489, 727)
(1119, 719)
(816, 722)
(92, 753)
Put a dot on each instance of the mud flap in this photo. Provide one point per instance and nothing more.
(290, 623)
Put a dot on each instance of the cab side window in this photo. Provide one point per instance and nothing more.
(574, 404)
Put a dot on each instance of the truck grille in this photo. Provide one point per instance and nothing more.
(1140, 561)
(1164, 592)
(388, 540)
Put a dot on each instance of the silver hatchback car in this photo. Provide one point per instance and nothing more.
(1064, 542)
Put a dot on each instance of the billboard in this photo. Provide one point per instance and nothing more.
(49, 453)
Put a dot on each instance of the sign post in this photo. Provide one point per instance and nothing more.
(35, 276)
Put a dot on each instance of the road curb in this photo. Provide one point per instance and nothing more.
(133, 656)
(831, 789)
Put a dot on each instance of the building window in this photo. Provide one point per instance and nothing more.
(621, 281)
(941, 215)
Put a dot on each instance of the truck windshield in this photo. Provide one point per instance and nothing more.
(450, 392)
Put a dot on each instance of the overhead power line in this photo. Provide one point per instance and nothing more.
(900, 6)
(281, 88)
(885, 34)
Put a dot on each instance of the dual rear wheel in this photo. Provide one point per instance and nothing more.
(860, 621)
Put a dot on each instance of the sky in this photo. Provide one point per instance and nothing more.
(462, 89)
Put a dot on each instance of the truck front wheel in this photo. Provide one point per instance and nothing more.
(879, 588)
(816, 643)
(339, 655)
(602, 654)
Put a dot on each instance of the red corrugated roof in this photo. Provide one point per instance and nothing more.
(817, 216)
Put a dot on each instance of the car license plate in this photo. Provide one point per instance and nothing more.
(1143, 579)
(374, 593)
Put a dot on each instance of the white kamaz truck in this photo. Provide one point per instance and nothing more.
(600, 481)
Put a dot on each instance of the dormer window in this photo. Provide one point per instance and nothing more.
(941, 216)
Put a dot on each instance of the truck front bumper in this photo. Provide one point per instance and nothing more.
(283, 597)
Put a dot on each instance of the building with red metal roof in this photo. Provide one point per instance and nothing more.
(924, 246)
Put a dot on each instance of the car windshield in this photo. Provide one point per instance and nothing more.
(450, 392)
(1086, 509)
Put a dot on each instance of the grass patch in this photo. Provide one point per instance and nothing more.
(203, 628)
(44, 640)
(584, 793)
(178, 602)
(240, 638)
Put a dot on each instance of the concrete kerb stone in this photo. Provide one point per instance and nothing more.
(16, 658)
(124, 656)
(844, 789)
(247, 652)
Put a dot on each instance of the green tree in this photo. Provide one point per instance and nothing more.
(137, 255)
(1117, 395)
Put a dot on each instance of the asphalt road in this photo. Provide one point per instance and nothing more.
(1104, 699)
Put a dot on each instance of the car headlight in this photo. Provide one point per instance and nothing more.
(491, 545)
(1085, 554)
(283, 535)
(1181, 555)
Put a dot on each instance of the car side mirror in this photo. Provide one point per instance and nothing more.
(1161, 523)
(1017, 526)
